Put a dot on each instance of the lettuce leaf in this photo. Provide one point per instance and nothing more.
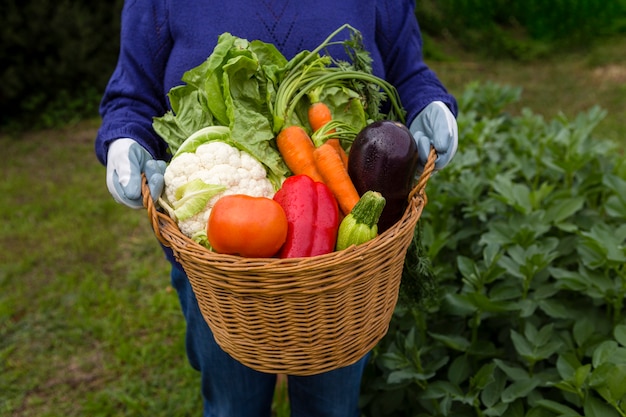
(187, 115)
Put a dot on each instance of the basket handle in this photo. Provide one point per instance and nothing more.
(155, 216)
(429, 168)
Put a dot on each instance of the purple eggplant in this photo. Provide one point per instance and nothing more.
(383, 158)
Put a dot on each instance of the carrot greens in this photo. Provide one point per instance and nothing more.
(309, 74)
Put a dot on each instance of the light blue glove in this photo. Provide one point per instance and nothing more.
(126, 161)
(435, 126)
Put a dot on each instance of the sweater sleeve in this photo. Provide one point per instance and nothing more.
(134, 94)
(400, 42)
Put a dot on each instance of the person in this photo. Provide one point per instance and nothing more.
(160, 40)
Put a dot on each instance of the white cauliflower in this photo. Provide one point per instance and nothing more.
(215, 163)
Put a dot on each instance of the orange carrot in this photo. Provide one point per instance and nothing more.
(334, 142)
(296, 148)
(318, 114)
(335, 175)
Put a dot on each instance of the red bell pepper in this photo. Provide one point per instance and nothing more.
(312, 217)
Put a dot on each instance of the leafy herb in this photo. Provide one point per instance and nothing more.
(419, 287)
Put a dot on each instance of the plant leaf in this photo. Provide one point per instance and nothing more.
(193, 197)
(620, 334)
(595, 408)
(563, 209)
(519, 389)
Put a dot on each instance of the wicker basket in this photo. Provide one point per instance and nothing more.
(299, 316)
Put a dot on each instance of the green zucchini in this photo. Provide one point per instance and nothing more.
(361, 224)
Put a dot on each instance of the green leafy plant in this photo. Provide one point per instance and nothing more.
(526, 231)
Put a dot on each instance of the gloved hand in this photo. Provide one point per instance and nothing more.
(126, 161)
(435, 126)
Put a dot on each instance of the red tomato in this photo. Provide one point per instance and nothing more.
(252, 227)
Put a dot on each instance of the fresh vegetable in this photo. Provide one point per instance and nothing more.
(318, 114)
(252, 227)
(296, 148)
(383, 158)
(312, 215)
(361, 224)
(334, 142)
(204, 169)
(335, 176)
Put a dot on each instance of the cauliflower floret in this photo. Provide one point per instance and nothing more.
(195, 225)
(255, 170)
(178, 172)
(217, 153)
(220, 164)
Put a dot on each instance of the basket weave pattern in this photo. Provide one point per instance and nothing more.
(298, 316)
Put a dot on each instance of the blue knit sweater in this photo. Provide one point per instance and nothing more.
(161, 39)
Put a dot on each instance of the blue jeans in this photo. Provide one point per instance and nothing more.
(230, 389)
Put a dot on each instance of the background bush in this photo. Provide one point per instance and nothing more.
(522, 29)
(526, 232)
(57, 56)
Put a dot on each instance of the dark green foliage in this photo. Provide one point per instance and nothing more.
(522, 29)
(419, 288)
(526, 231)
(560, 19)
(55, 57)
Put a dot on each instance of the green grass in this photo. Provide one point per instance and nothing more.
(89, 325)
(88, 322)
